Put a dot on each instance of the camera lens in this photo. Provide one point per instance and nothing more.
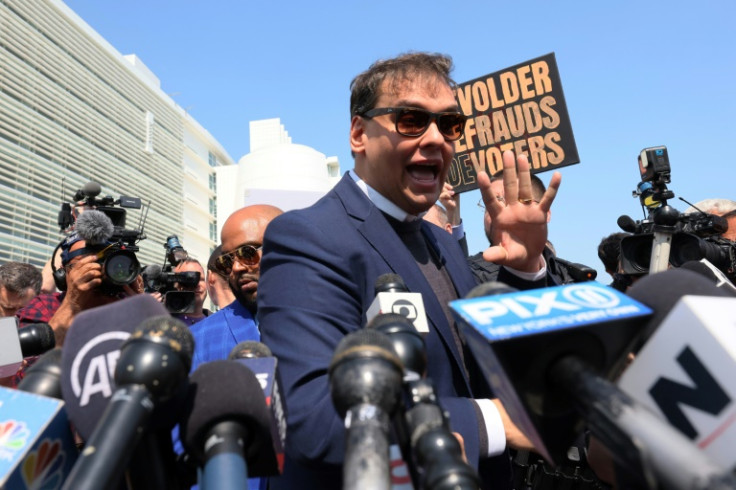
(121, 267)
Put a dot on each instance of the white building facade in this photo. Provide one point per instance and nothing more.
(276, 172)
(73, 110)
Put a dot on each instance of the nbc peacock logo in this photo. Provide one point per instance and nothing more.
(43, 468)
(13, 438)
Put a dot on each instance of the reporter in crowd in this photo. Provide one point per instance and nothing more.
(19, 284)
(218, 288)
(242, 239)
(199, 312)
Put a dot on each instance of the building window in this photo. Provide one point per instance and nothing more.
(213, 232)
(148, 148)
(212, 159)
(213, 182)
(213, 208)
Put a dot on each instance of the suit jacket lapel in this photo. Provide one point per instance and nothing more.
(374, 226)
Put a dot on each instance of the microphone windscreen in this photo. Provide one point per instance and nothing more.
(90, 352)
(491, 288)
(225, 391)
(626, 223)
(390, 283)
(250, 349)
(95, 227)
(92, 189)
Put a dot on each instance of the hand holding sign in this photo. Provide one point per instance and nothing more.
(519, 231)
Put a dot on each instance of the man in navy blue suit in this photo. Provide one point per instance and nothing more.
(320, 265)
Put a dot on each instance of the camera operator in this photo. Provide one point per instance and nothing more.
(83, 277)
(725, 208)
(609, 251)
(198, 312)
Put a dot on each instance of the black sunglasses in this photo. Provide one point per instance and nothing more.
(245, 254)
(413, 122)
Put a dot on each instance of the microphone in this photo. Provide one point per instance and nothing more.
(571, 353)
(432, 452)
(19, 343)
(90, 353)
(152, 368)
(257, 357)
(44, 376)
(95, 227)
(684, 371)
(37, 447)
(626, 223)
(393, 296)
(578, 272)
(226, 425)
(365, 382)
(520, 335)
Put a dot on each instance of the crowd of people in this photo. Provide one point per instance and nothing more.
(301, 281)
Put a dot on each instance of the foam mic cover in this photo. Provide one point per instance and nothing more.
(91, 189)
(390, 283)
(226, 391)
(627, 224)
(90, 353)
(250, 349)
(95, 227)
(44, 377)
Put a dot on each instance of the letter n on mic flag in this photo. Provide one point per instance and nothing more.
(516, 336)
(685, 374)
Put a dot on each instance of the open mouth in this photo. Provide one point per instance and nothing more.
(423, 173)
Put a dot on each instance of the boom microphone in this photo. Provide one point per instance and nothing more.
(153, 366)
(95, 227)
(365, 383)
(226, 424)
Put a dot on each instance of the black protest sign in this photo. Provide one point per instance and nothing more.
(521, 108)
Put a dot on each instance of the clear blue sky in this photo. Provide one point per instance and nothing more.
(634, 74)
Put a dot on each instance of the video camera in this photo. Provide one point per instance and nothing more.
(667, 237)
(114, 244)
(176, 288)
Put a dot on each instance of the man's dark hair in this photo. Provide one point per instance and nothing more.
(538, 187)
(609, 250)
(365, 88)
(17, 277)
(211, 265)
